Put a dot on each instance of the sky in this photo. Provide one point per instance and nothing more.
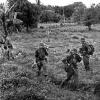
(63, 2)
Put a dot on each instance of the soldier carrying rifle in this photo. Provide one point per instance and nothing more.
(86, 50)
(6, 47)
(71, 67)
(41, 60)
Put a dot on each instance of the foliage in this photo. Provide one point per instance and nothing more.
(3, 14)
(38, 2)
(79, 11)
(49, 16)
(58, 10)
(30, 12)
(68, 10)
(90, 17)
(97, 9)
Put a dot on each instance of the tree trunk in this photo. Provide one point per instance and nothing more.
(4, 25)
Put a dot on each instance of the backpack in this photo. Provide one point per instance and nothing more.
(91, 49)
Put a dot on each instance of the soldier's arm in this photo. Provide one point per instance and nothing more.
(78, 58)
(64, 60)
(36, 53)
(69, 57)
(81, 50)
(46, 53)
(87, 47)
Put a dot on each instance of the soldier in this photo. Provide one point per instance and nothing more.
(7, 46)
(2, 40)
(71, 67)
(41, 59)
(86, 50)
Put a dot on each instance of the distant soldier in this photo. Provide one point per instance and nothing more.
(86, 50)
(7, 48)
(2, 41)
(41, 58)
(71, 67)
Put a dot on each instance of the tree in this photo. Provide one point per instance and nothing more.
(3, 14)
(79, 11)
(97, 9)
(38, 2)
(68, 11)
(90, 17)
(49, 16)
(30, 12)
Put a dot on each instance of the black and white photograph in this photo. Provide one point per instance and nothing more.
(49, 49)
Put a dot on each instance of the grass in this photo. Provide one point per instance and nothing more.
(18, 78)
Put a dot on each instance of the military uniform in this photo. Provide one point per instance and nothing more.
(2, 41)
(71, 60)
(84, 52)
(8, 49)
(41, 59)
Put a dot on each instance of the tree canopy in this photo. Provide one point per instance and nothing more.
(30, 12)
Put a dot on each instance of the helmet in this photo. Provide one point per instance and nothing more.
(74, 50)
(82, 39)
(41, 44)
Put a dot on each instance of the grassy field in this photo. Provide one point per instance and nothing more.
(18, 78)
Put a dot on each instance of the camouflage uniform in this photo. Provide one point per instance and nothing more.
(41, 59)
(2, 41)
(8, 49)
(84, 52)
(71, 60)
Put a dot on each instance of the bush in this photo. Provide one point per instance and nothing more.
(49, 16)
(29, 13)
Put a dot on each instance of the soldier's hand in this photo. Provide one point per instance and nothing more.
(46, 58)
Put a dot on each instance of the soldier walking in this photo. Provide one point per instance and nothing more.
(71, 67)
(86, 50)
(7, 46)
(41, 58)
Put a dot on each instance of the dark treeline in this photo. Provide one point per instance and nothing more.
(76, 12)
(31, 14)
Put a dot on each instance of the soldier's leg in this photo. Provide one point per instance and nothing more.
(44, 67)
(69, 76)
(75, 79)
(2, 52)
(5, 55)
(10, 54)
(39, 65)
(86, 62)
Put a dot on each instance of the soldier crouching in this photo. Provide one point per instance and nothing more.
(71, 68)
(41, 59)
